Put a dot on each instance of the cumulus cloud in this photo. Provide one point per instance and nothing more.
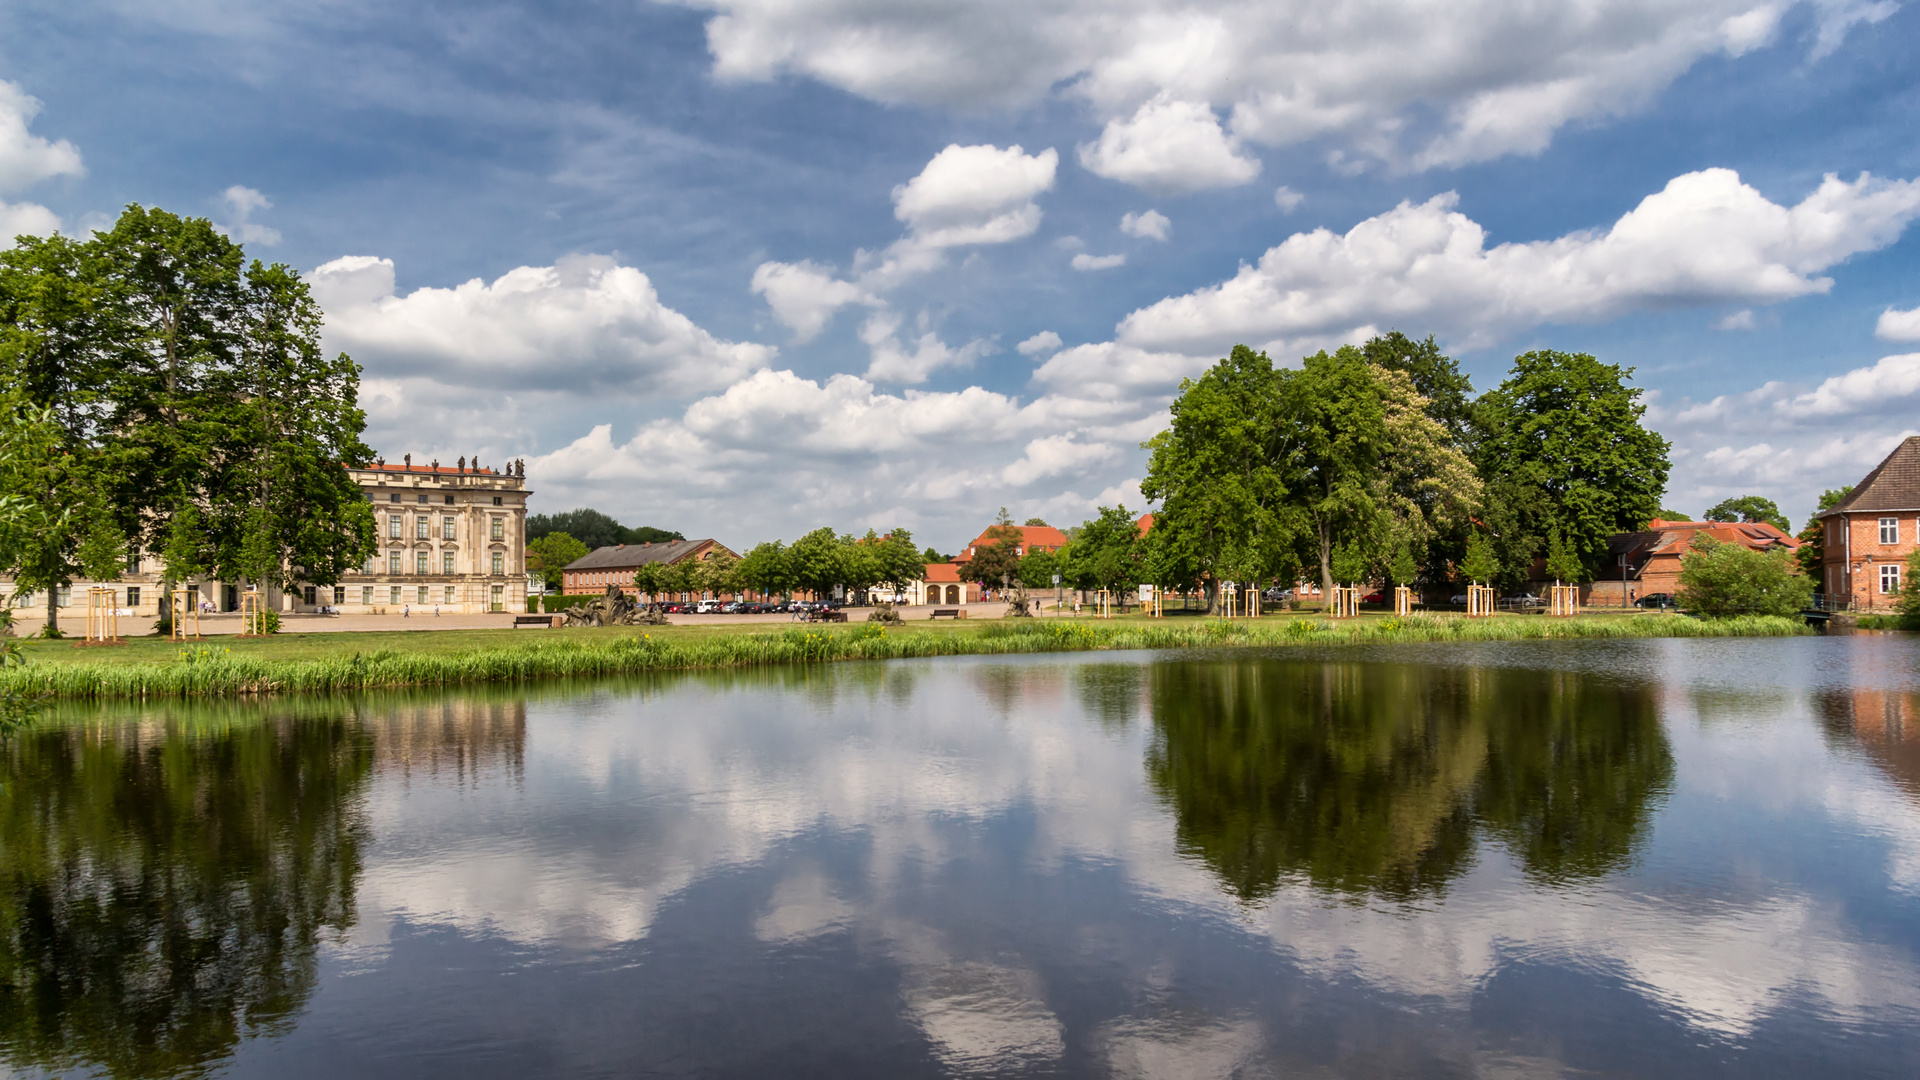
(1173, 146)
(841, 449)
(1148, 225)
(1787, 441)
(1412, 84)
(804, 295)
(1084, 261)
(975, 195)
(1287, 199)
(1044, 341)
(892, 362)
(242, 203)
(1739, 320)
(583, 325)
(1707, 238)
(27, 159)
(966, 195)
(1897, 325)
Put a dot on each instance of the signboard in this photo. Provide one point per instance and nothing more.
(1146, 594)
(1056, 579)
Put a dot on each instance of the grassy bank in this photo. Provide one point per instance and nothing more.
(219, 669)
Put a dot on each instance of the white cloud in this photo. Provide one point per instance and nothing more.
(584, 325)
(241, 204)
(1739, 320)
(1056, 455)
(893, 363)
(1897, 325)
(1707, 238)
(1147, 225)
(1790, 442)
(1044, 341)
(27, 159)
(1287, 199)
(1409, 83)
(975, 195)
(1173, 146)
(805, 295)
(1084, 261)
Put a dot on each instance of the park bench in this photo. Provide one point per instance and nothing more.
(533, 620)
(946, 613)
(833, 616)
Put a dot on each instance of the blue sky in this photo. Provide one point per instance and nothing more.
(743, 267)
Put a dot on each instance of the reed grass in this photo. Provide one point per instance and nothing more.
(212, 671)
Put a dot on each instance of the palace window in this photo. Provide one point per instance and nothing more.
(395, 497)
(499, 528)
(419, 562)
(1890, 578)
(1889, 530)
(422, 595)
(446, 562)
(393, 594)
(496, 500)
(423, 496)
(422, 528)
(499, 563)
(449, 500)
(366, 595)
(339, 594)
(393, 527)
(133, 596)
(449, 594)
(446, 528)
(393, 562)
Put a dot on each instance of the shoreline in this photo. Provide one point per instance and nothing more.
(208, 670)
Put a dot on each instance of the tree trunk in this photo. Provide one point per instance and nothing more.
(1326, 563)
(53, 610)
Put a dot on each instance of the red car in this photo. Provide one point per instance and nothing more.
(1378, 596)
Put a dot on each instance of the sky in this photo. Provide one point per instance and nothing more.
(743, 268)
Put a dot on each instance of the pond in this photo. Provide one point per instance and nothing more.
(1686, 858)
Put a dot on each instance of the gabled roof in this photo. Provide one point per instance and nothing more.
(1894, 484)
(634, 556)
(1045, 536)
(1674, 537)
(943, 573)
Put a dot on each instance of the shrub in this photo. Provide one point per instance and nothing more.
(1721, 580)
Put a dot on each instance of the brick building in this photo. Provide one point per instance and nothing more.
(616, 563)
(1647, 562)
(1870, 533)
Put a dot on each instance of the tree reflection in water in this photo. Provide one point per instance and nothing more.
(1376, 779)
(164, 884)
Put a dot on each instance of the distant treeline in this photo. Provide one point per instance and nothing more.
(595, 529)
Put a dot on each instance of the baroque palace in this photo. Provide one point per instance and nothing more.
(452, 539)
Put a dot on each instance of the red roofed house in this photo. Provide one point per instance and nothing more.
(1032, 538)
(943, 586)
(1643, 563)
(1870, 533)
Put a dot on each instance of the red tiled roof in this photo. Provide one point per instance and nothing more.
(1145, 523)
(1045, 536)
(942, 572)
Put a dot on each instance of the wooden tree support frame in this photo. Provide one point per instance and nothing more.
(1480, 601)
(1402, 600)
(1229, 595)
(1103, 604)
(1346, 602)
(253, 614)
(103, 617)
(186, 606)
(1563, 600)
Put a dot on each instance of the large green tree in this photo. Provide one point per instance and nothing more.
(1723, 580)
(1749, 508)
(553, 552)
(56, 525)
(1560, 443)
(1108, 552)
(817, 562)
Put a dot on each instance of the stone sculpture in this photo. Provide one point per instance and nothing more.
(616, 608)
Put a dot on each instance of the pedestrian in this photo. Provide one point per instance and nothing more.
(406, 611)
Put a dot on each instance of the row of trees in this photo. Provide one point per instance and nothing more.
(161, 393)
(1372, 462)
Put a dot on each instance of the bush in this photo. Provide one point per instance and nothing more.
(1721, 580)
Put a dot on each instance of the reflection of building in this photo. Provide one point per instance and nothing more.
(1648, 561)
(1885, 725)
(462, 739)
(452, 538)
(1870, 533)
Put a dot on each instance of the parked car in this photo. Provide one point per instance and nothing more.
(1458, 600)
(1655, 600)
(1522, 602)
(1377, 596)
(732, 607)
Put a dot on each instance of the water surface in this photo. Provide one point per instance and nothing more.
(1539, 859)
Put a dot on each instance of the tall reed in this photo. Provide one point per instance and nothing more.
(211, 671)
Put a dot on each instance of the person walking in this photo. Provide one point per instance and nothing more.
(406, 611)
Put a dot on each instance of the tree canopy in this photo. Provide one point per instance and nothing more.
(1750, 508)
(1721, 580)
(595, 529)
